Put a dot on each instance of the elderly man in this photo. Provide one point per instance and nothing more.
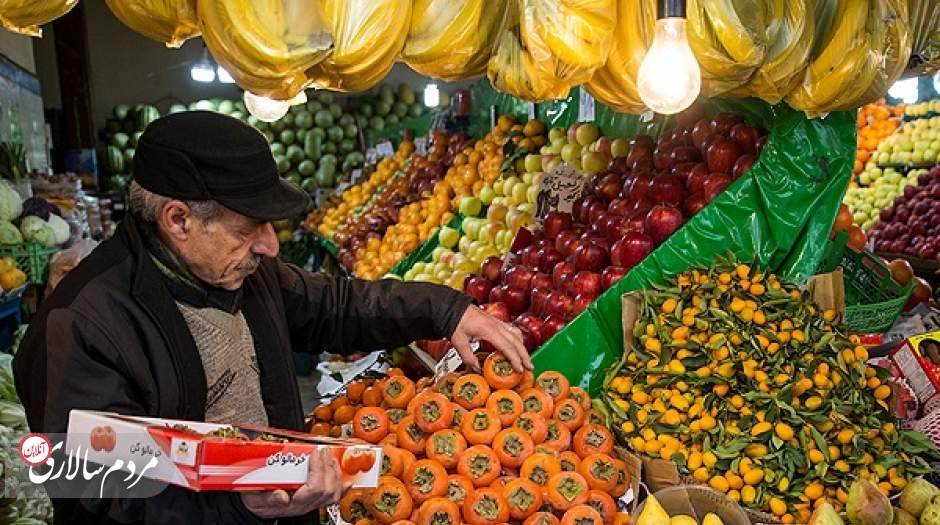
(185, 313)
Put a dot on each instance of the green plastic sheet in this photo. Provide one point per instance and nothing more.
(779, 214)
(424, 250)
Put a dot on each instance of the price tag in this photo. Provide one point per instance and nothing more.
(371, 156)
(450, 362)
(421, 146)
(585, 107)
(531, 110)
(385, 148)
(559, 189)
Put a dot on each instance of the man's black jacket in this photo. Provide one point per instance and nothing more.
(112, 338)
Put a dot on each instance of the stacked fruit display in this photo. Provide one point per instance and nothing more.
(924, 109)
(911, 225)
(390, 107)
(916, 142)
(633, 205)
(879, 189)
(875, 122)
(122, 132)
(500, 447)
(751, 388)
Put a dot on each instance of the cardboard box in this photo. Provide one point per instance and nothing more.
(918, 361)
(200, 462)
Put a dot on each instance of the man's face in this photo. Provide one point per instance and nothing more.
(228, 249)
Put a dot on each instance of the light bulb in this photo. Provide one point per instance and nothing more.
(265, 109)
(432, 96)
(202, 73)
(669, 79)
(224, 76)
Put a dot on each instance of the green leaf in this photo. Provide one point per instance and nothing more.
(917, 444)
(820, 443)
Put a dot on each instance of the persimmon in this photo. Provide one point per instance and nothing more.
(432, 411)
(395, 415)
(581, 396)
(391, 439)
(365, 521)
(486, 506)
(844, 219)
(344, 414)
(354, 505)
(570, 461)
(390, 501)
(545, 449)
(857, 237)
(393, 461)
(398, 391)
(513, 446)
(458, 488)
(370, 424)
(623, 479)
(603, 503)
(539, 468)
(320, 429)
(480, 425)
(901, 271)
(480, 464)
(599, 471)
(445, 446)
(498, 372)
(554, 383)
(527, 381)
(542, 518)
(354, 391)
(372, 396)
(570, 413)
(502, 481)
(582, 515)
(323, 413)
(557, 435)
(507, 404)
(593, 439)
(534, 424)
(445, 385)
(538, 401)
(566, 490)
(410, 436)
(459, 412)
(622, 518)
(524, 498)
(339, 401)
(595, 417)
(425, 479)
(438, 511)
(471, 391)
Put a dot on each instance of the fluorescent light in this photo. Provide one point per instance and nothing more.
(202, 73)
(224, 77)
(905, 90)
(432, 96)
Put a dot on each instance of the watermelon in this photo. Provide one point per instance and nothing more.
(346, 146)
(226, 107)
(309, 184)
(336, 111)
(277, 149)
(350, 130)
(303, 120)
(323, 118)
(113, 126)
(283, 165)
(130, 126)
(203, 105)
(120, 140)
(307, 167)
(335, 133)
(330, 148)
(293, 177)
(386, 94)
(277, 126)
(346, 120)
(406, 94)
(301, 134)
(129, 158)
(114, 160)
(324, 177)
(377, 123)
(287, 120)
(178, 108)
(313, 146)
(295, 154)
(313, 106)
(416, 110)
(145, 116)
(382, 108)
(319, 132)
(366, 110)
(392, 119)
(121, 111)
(362, 121)
(324, 97)
(400, 109)
(238, 114)
(328, 160)
(240, 106)
(135, 138)
(253, 121)
(287, 137)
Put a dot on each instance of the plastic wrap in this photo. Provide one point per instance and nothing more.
(789, 34)
(806, 164)
(862, 48)
(568, 39)
(925, 30)
(614, 84)
(64, 261)
(728, 39)
(512, 70)
(453, 39)
(368, 36)
(25, 16)
(268, 46)
(169, 21)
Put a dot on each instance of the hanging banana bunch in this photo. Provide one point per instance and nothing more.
(169, 21)
(25, 16)
(569, 39)
(614, 84)
(862, 49)
(452, 39)
(925, 30)
(267, 46)
(727, 38)
(368, 36)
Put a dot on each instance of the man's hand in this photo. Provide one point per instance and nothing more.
(476, 325)
(323, 487)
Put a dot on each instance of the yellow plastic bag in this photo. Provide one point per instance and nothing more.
(614, 84)
(267, 46)
(569, 39)
(727, 38)
(169, 21)
(453, 39)
(862, 47)
(368, 36)
(25, 16)
(925, 31)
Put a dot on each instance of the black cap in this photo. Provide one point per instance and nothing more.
(201, 155)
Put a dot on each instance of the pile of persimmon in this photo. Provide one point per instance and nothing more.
(485, 449)
(328, 419)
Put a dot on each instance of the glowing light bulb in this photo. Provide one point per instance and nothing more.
(202, 73)
(669, 79)
(432, 96)
(265, 109)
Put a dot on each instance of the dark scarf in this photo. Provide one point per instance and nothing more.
(183, 285)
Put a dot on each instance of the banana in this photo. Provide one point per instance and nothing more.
(169, 21)
(726, 37)
(615, 83)
(512, 70)
(25, 16)
(892, 18)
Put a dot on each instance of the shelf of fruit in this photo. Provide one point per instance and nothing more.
(495, 447)
(915, 143)
(910, 226)
(876, 122)
(749, 387)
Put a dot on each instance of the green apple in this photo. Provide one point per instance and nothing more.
(448, 237)
(570, 152)
(533, 162)
(498, 187)
(527, 208)
(437, 252)
(496, 213)
(619, 148)
(487, 195)
(594, 161)
(392, 276)
(471, 228)
(470, 206)
(532, 194)
(409, 275)
(576, 164)
(519, 192)
(586, 134)
(556, 133)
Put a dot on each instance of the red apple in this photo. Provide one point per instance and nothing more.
(478, 287)
(573, 133)
(529, 340)
(566, 242)
(745, 135)
(700, 130)
(640, 187)
(619, 207)
(722, 123)
(608, 187)
(611, 275)
(603, 144)
(548, 257)
(743, 164)
(759, 145)
(496, 294)
(714, 185)
(618, 165)
(667, 189)
(519, 277)
(492, 268)
(662, 221)
(586, 283)
(516, 299)
(582, 213)
(662, 158)
(631, 249)
(559, 303)
(695, 203)
(722, 155)
(581, 302)
(684, 154)
(640, 157)
(530, 322)
(696, 179)
(595, 210)
(537, 299)
(561, 273)
(542, 279)
(636, 220)
(551, 326)
(497, 310)
(555, 222)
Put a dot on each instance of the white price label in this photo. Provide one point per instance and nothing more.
(585, 107)
(559, 189)
(371, 156)
(450, 362)
(531, 110)
(385, 148)
(421, 145)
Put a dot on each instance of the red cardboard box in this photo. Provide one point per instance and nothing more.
(188, 457)
(918, 361)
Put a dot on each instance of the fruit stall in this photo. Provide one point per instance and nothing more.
(726, 282)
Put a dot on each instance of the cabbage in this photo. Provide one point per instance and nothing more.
(60, 228)
(9, 235)
(35, 229)
(11, 205)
